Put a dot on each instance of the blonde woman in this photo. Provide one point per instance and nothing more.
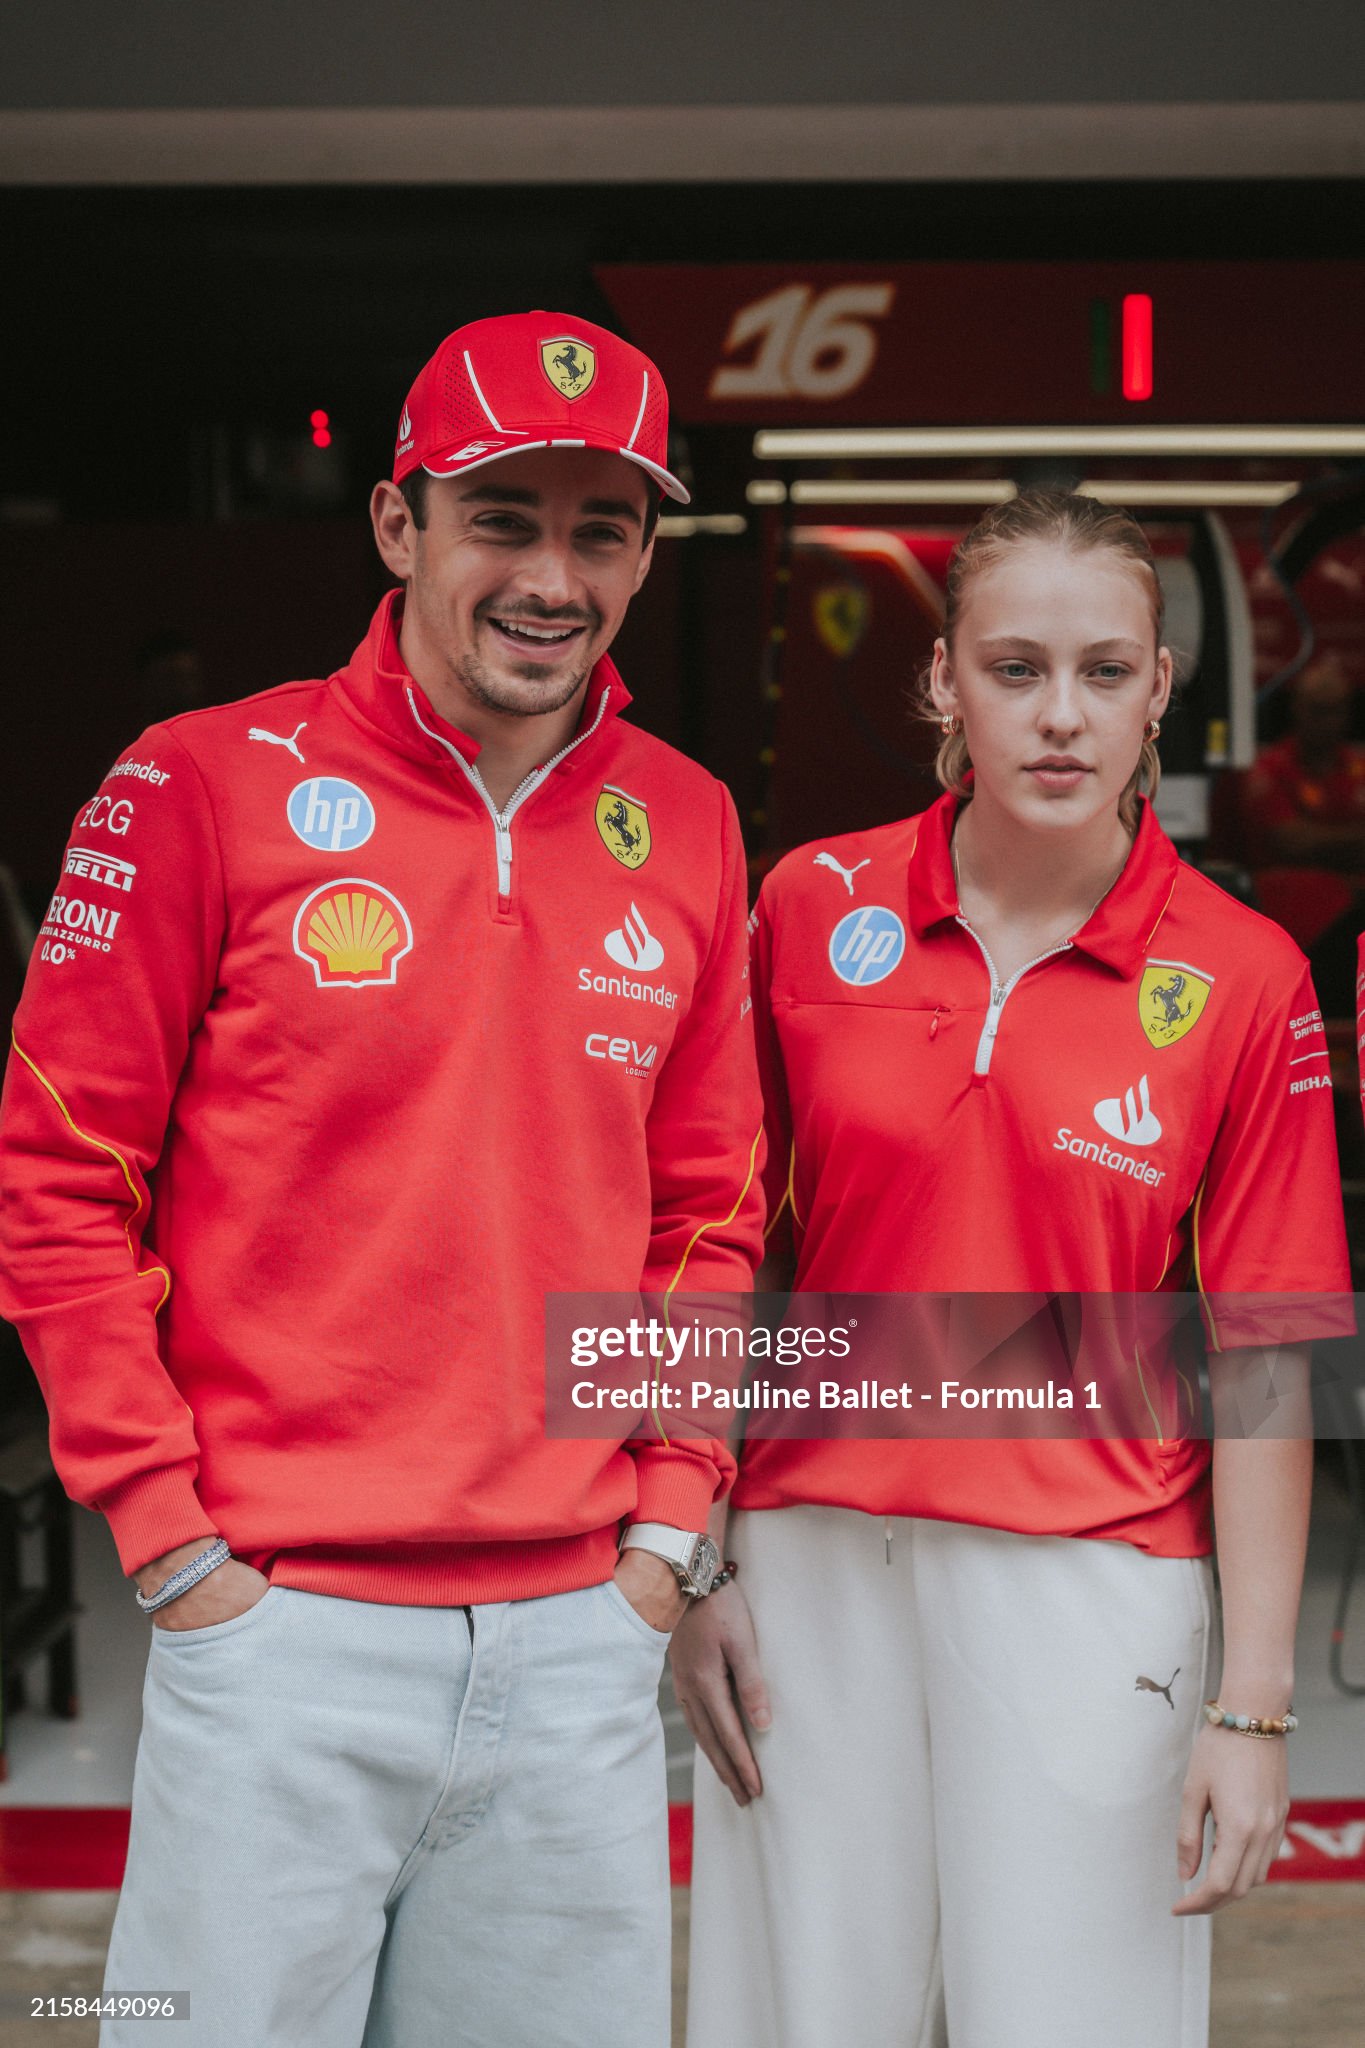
(954, 1697)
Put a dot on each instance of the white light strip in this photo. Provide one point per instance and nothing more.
(828, 444)
(682, 528)
(1137, 491)
(909, 491)
(1182, 491)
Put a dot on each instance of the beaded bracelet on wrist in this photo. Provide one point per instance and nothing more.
(729, 1570)
(1264, 1725)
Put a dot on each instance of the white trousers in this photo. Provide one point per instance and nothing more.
(967, 1831)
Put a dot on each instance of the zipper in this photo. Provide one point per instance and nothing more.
(985, 1045)
(502, 819)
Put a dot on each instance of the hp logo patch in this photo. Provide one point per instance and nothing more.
(866, 945)
(329, 814)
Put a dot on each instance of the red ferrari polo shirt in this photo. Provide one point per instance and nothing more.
(1146, 1107)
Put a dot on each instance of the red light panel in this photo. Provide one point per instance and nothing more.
(319, 419)
(1137, 345)
(321, 438)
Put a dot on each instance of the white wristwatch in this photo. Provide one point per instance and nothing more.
(694, 1557)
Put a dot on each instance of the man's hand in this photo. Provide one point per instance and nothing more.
(229, 1590)
(1244, 1783)
(652, 1588)
(719, 1686)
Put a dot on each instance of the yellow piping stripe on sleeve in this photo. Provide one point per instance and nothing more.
(718, 1223)
(100, 1146)
(1142, 1382)
(1198, 1270)
(788, 1200)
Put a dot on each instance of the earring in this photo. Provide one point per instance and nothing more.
(950, 725)
(1152, 729)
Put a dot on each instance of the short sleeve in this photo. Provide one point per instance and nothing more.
(1269, 1233)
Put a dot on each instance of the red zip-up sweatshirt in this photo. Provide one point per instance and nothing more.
(325, 1073)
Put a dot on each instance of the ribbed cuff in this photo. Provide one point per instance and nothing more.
(154, 1513)
(674, 1486)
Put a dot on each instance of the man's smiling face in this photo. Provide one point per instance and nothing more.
(520, 578)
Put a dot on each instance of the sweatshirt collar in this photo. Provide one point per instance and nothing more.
(1119, 930)
(379, 687)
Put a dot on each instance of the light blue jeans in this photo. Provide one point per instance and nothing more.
(368, 1826)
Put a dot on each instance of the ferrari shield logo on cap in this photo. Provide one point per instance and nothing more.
(569, 364)
(1171, 1000)
(624, 827)
(841, 611)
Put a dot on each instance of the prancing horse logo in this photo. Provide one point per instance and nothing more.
(1172, 997)
(1167, 998)
(570, 365)
(623, 826)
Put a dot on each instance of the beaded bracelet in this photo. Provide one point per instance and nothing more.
(1265, 1726)
(729, 1570)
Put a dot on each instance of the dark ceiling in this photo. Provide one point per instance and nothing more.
(140, 321)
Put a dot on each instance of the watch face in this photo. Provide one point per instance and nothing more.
(704, 1566)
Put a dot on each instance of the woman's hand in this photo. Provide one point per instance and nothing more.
(715, 1676)
(1244, 1782)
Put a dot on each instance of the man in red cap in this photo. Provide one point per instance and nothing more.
(367, 1013)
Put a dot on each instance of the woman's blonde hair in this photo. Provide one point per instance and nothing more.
(1070, 521)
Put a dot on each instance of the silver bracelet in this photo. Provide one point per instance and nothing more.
(188, 1575)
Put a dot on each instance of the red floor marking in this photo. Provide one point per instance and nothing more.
(1324, 1841)
(62, 1848)
(680, 1843)
(83, 1848)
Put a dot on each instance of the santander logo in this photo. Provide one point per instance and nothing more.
(634, 945)
(405, 425)
(1130, 1121)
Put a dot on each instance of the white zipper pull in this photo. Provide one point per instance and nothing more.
(502, 832)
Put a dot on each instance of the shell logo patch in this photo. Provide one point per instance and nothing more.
(569, 365)
(352, 933)
(1171, 999)
(623, 825)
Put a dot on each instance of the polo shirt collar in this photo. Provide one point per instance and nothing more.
(1118, 932)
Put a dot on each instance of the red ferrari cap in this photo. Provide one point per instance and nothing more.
(534, 380)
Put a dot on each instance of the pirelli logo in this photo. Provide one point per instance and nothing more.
(100, 867)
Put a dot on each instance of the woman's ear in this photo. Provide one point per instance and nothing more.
(1161, 687)
(942, 688)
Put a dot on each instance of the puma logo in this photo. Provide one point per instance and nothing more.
(258, 732)
(1150, 1685)
(827, 860)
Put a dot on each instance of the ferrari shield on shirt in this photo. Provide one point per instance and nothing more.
(326, 1071)
(1146, 1107)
